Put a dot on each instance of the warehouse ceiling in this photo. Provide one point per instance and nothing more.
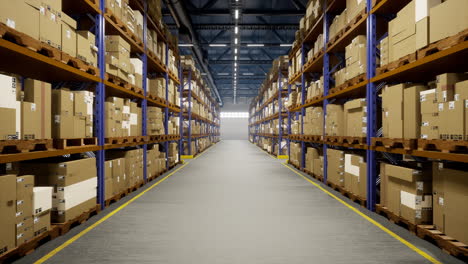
(265, 31)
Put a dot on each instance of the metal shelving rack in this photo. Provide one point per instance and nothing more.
(281, 115)
(40, 67)
(372, 24)
(212, 131)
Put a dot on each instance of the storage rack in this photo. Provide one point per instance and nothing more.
(277, 74)
(212, 131)
(372, 24)
(48, 69)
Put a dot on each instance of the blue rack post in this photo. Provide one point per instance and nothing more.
(371, 96)
(303, 98)
(280, 106)
(326, 82)
(189, 127)
(99, 126)
(166, 109)
(144, 102)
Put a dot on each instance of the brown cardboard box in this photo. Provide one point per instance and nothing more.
(30, 117)
(428, 101)
(41, 223)
(8, 121)
(39, 93)
(430, 126)
(85, 47)
(24, 197)
(79, 127)
(119, 175)
(461, 91)
(26, 21)
(62, 216)
(334, 123)
(408, 193)
(452, 120)
(355, 118)
(24, 231)
(412, 111)
(63, 126)
(392, 111)
(440, 26)
(446, 85)
(335, 169)
(62, 102)
(8, 209)
(450, 186)
(353, 182)
(68, 35)
(50, 26)
(115, 43)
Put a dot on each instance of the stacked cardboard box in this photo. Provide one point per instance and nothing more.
(295, 156)
(85, 47)
(118, 58)
(315, 88)
(155, 164)
(8, 211)
(449, 186)
(400, 108)
(336, 167)
(355, 55)
(355, 178)
(130, 171)
(313, 121)
(24, 208)
(155, 125)
(123, 118)
(42, 206)
(313, 12)
(318, 167)
(311, 155)
(75, 182)
(407, 192)
(338, 23)
(334, 123)
(340, 77)
(440, 26)
(354, 7)
(355, 118)
(10, 107)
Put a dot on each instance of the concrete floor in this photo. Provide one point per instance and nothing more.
(235, 204)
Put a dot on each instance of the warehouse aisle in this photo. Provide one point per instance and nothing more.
(235, 204)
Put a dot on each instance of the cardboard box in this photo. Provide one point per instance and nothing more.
(334, 123)
(68, 35)
(24, 197)
(412, 111)
(8, 209)
(24, 231)
(39, 93)
(8, 121)
(79, 127)
(440, 26)
(26, 21)
(86, 47)
(41, 223)
(30, 121)
(42, 200)
(50, 26)
(355, 118)
(446, 85)
(336, 166)
(452, 120)
(450, 185)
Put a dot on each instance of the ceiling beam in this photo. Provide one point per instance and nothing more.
(242, 26)
(264, 62)
(245, 12)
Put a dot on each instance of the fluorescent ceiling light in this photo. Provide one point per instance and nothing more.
(218, 45)
(235, 57)
(235, 41)
(235, 69)
(286, 45)
(236, 30)
(185, 45)
(248, 73)
(203, 74)
(255, 45)
(223, 73)
(235, 64)
(235, 50)
(236, 14)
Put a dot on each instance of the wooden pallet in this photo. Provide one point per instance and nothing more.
(312, 138)
(123, 83)
(398, 63)
(443, 44)
(24, 40)
(135, 187)
(67, 143)
(124, 27)
(446, 243)
(351, 82)
(79, 64)
(442, 145)
(64, 228)
(28, 145)
(124, 140)
(29, 247)
(157, 137)
(353, 197)
(116, 197)
(347, 27)
(394, 143)
(346, 140)
(383, 211)
(315, 98)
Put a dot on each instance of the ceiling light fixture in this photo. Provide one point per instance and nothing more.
(255, 45)
(286, 45)
(236, 41)
(235, 51)
(185, 45)
(236, 14)
(218, 45)
(236, 30)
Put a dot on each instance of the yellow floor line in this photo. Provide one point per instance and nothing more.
(386, 230)
(100, 221)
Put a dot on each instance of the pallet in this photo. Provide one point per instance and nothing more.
(64, 228)
(116, 197)
(124, 140)
(362, 141)
(383, 211)
(135, 187)
(446, 243)
(347, 27)
(67, 143)
(351, 82)
(443, 44)
(394, 143)
(315, 98)
(29, 247)
(313, 175)
(398, 63)
(312, 138)
(28, 145)
(353, 197)
(444, 146)
(123, 83)
(78, 64)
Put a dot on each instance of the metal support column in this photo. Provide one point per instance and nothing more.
(371, 96)
(166, 109)
(99, 125)
(303, 98)
(189, 139)
(144, 102)
(280, 109)
(326, 83)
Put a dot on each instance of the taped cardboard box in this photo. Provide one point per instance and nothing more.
(26, 21)
(355, 177)
(50, 22)
(450, 186)
(39, 93)
(24, 231)
(41, 223)
(355, 118)
(445, 90)
(42, 200)
(440, 26)
(30, 121)
(452, 120)
(68, 35)
(24, 197)
(335, 169)
(8, 209)
(334, 123)
(86, 47)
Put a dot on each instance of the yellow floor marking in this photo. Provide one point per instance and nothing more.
(386, 230)
(82, 233)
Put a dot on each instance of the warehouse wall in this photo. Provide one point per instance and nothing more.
(234, 128)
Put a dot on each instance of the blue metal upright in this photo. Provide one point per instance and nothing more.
(189, 131)
(280, 109)
(303, 111)
(326, 82)
(371, 96)
(144, 103)
(166, 109)
(100, 94)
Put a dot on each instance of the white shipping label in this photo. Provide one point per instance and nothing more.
(425, 123)
(126, 109)
(466, 103)
(419, 185)
(11, 23)
(42, 10)
(457, 97)
(68, 33)
(110, 164)
(441, 201)
(422, 98)
(418, 214)
(71, 96)
(57, 119)
(441, 107)
(451, 105)
(133, 119)
(33, 107)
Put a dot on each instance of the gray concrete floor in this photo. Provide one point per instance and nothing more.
(235, 204)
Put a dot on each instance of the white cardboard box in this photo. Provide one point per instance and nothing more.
(42, 199)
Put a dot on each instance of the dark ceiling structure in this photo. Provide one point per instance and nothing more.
(234, 41)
